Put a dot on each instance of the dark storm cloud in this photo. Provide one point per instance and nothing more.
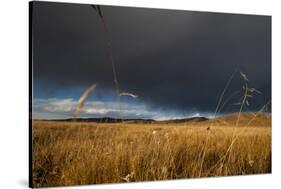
(173, 59)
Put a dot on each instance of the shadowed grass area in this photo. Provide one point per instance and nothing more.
(72, 153)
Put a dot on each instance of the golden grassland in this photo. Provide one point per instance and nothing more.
(72, 153)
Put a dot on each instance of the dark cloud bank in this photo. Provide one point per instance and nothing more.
(172, 59)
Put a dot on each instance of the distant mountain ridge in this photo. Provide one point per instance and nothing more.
(225, 120)
(118, 120)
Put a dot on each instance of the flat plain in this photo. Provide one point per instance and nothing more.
(74, 152)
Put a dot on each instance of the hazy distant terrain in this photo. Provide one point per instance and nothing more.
(88, 152)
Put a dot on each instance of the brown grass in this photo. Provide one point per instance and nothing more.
(83, 99)
(72, 153)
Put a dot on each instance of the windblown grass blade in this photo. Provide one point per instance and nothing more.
(244, 77)
(247, 102)
(82, 100)
(97, 8)
(128, 94)
(254, 90)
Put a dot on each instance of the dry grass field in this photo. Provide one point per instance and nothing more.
(72, 153)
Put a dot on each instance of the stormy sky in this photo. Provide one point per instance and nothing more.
(177, 62)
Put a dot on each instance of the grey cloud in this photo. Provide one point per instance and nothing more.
(177, 60)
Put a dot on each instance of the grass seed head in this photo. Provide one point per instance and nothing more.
(83, 99)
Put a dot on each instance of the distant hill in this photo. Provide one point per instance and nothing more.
(249, 119)
(116, 120)
(108, 120)
(245, 119)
